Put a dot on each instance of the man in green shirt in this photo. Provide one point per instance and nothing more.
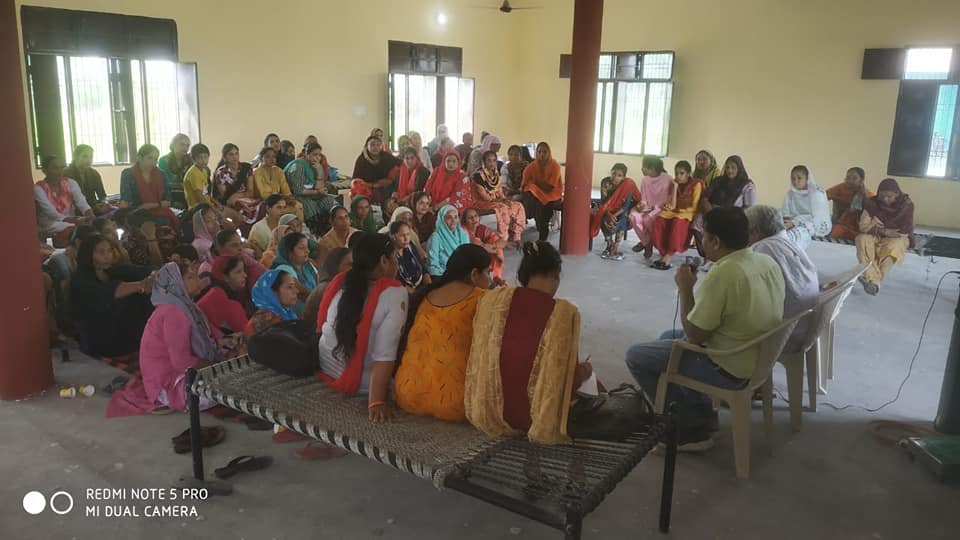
(740, 299)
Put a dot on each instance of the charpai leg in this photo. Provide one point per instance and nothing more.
(195, 446)
(669, 469)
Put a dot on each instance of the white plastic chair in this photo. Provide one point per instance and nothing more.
(821, 329)
(769, 345)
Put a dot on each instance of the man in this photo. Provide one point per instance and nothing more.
(465, 148)
(848, 199)
(740, 299)
(141, 241)
(802, 285)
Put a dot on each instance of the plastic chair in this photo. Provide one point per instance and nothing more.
(825, 341)
(769, 345)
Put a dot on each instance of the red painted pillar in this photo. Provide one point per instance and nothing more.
(587, 28)
(25, 366)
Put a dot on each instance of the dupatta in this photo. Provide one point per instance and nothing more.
(548, 173)
(152, 192)
(169, 289)
(626, 190)
(898, 215)
(441, 184)
(62, 202)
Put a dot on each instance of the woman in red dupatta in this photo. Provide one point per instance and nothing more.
(486, 238)
(144, 186)
(448, 184)
(886, 232)
(360, 319)
(413, 176)
(618, 194)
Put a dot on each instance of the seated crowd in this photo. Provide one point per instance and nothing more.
(406, 285)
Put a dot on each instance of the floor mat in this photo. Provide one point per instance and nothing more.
(942, 246)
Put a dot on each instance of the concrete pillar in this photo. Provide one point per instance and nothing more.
(25, 365)
(587, 29)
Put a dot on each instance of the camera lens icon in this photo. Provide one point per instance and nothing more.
(35, 503)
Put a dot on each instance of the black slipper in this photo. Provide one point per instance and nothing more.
(117, 383)
(660, 265)
(209, 436)
(243, 463)
(256, 424)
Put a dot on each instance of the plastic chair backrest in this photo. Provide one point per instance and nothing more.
(849, 276)
(829, 303)
(769, 346)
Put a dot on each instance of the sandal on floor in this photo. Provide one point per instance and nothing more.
(638, 248)
(660, 265)
(319, 450)
(242, 464)
(256, 424)
(209, 436)
(162, 410)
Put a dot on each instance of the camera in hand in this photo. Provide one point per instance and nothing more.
(693, 262)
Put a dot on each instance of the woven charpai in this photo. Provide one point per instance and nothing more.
(425, 447)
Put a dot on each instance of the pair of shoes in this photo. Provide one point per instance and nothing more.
(638, 248)
(617, 257)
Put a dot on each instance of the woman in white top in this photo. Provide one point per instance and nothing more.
(806, 212)
(360, 319)
(60, 202)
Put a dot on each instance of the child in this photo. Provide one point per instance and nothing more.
(618, 194)
(671, 230)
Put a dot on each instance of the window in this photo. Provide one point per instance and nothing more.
(634, 94)
(926, 132)
(114, 105)
(426, 90)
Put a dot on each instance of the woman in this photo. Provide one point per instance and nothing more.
(373, 173)
(411, 268)
(108, 229)
(806, 211)
(361, 216)
(360, 318)
(272, 141)
(309, 179)
(310, 140)
(378, 133)
(287, 153)
(671, 230)
(886, 232)
(618, 194)
(144, 186)
(403, 142)
(449, 235)
(491, 143)
(175, 165)
(276, 206)
(339, 233)
(484, 237)
(110, 302)
(442, 133)
(274, 295)
(654, 192)
(488, 195)
(177, 337)
(733, 188)
(449, 185)
(432, 374)
(60, 203)
(269, 180)
(227, 303)
(228, 244)
(512, 173)
(707, 168)
(413, 176)
(416, 142)
(404, 215)
(233, 186)
(206, 226)
(295, 253)
(89, 180)
(446, 146)
(542, 189)
(424, 221)
(848, 198)
(523, 365)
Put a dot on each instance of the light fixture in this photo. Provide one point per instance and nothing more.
(441, 18)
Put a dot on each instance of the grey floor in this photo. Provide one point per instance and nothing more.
(831, 480)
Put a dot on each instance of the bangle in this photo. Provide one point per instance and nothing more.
(376, 404)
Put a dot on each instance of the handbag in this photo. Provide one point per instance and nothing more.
(288, 347)
(613, 416)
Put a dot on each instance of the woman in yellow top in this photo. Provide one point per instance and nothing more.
(671, 230)
(432, 374)
(269, 179)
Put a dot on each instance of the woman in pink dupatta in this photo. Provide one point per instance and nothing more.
(655, 189)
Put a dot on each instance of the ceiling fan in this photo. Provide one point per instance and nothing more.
(505, 7)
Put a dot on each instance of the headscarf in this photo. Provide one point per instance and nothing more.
(307, 273)
(369, 224)
(449, 240)
(202, 240)
(264, 297)
(442, 182)
(366, 154)
(898, 215)
(169, 289)
(549, 173)
(711, 172)
(488, 142)
(407, 182)
(393, 218)
(724, 191)
(810, 202)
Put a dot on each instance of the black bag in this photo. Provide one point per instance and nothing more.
(612, 416)
(289, 347)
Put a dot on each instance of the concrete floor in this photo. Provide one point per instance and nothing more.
(831, 480)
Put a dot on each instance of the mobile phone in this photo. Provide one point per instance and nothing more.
(693, 262)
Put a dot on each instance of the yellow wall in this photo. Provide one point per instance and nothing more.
(305, 72)
(777, 81)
